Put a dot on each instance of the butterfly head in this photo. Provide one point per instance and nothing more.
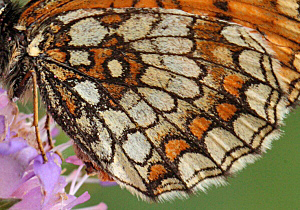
(11, 41)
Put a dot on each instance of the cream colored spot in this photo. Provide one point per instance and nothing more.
(136, 27)
(244, 36)
(129, 100)
(297, 61)
(250, 62)
(137, 147)
(179, 85)
(219, 142)
(115, 68)
(87, 32)
(141, 112)
(208, 100)
(170, 188)
(153, 59)
(176, 45)
(117, 121)
(143, 46)
(158, 99)
(182, 113)
(124, 171)
(269, 70)
(159, 131)
(79, 57)
(190, 163)
(182, 65)
(257, 96)
(78, 14)
(233, 35)
(223, 55)
(33, 48)
(103, 145)
(246, 126)
(255, 40)
(172, 25)
(88, 91)
(85, 123)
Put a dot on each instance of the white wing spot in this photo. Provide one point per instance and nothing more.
(87, 32)
(79, 57)
(115, 68)
(137, 147)
(88, 91)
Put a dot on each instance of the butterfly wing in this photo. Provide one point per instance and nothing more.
(166, 102)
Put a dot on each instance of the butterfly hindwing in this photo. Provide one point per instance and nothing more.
(166, 97)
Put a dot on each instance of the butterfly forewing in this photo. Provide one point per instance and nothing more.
(166, 100)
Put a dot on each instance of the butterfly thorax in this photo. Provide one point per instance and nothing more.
(14, 62)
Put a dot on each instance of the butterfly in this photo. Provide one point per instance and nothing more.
(164, 97)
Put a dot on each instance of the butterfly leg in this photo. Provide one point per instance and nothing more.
(47, 127)
(36, 116)
(49, 136)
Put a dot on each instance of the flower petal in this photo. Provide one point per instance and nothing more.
(32, 200)
(108, 183)
(74, 160)
(48, 173)
(3, 128)
(81, 199)
(15, 157)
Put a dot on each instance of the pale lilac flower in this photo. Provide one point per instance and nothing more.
(24, 175)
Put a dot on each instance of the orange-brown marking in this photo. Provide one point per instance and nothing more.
(100, 55)
(110, 42)
(61, 73)
(174, 147)
(266, 18)
(159, 190)
(217, 73)
(62, 40)
(204, 25)
(226, 111)
(283, 48)
(232, 84)
(146, 3)
(114, 90)
(170, 4)
(134, 71)
(205, 29)
(112, 103)
(206, 49)
(156, 171)
(56, 54)
(109, 19)
(198, 126)
(131, 56)
(67, 97)
(103, 176)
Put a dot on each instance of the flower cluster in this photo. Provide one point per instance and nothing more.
(24, 177)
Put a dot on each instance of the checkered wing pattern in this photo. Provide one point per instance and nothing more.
(166, 97)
